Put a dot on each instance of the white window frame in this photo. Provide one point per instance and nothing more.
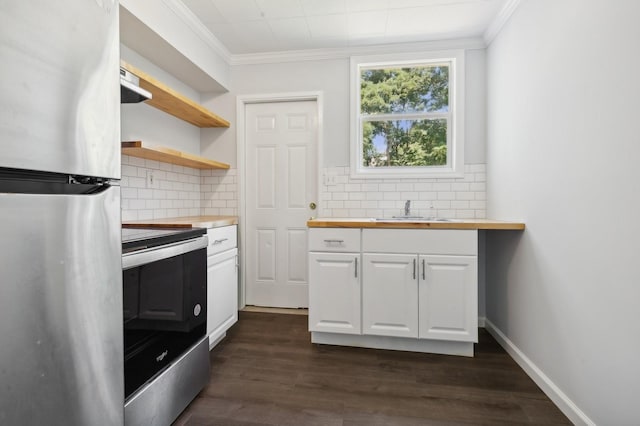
(455, 127)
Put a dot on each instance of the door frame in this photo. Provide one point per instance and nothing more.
(241, 102)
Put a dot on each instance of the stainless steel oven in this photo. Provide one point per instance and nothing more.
(166, 360)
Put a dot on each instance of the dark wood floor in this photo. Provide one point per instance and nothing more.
(266, 372)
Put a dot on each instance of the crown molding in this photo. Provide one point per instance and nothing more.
(184, 13)
(346, 52)
(500, 20)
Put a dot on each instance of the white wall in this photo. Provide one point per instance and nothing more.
(562, 150)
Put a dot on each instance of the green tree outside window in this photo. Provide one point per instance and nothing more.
(405, 116)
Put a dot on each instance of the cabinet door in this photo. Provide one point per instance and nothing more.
(222, 293)
(390, 295)
(334, 292)
(448, 295)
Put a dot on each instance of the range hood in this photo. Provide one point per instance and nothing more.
(130, 91)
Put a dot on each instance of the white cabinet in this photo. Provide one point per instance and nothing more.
(334, 281)
(389, 295)
(420, 283)
(416, 289)
(448, 298)
(334, 292)
(222, 282)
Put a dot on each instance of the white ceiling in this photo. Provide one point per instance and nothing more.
(260, 26)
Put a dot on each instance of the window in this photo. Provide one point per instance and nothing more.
(407, 115)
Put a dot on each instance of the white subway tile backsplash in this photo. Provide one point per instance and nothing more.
(409, 195)
(339, 196)
(151, 164)
(137, 204)
(185, 191)
(166, 167)
(465, 195)
(428, 196)
(145, 214)
(459, 187)
(421, 187)
(457, 205)
(137, 182)
(442, 186)
(129, 214)
(370, 187)
(390, 195)
(387, 187)
(135, 161)
(446, 195)
(180, 191)
(451, 197)
(480, 187)
(128, 192)
(129, 170)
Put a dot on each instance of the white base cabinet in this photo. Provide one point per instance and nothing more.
(334, 292)
(418, 289)
(448, 298)
(222, 282)
(389, 295)
(334, 281)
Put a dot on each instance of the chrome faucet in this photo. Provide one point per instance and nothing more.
(407, 208)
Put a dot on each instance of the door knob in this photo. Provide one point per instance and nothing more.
(312, 206)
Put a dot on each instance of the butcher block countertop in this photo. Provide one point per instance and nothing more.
(413, 224)
(184, 222)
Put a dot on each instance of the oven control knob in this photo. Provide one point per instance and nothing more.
(197, 309)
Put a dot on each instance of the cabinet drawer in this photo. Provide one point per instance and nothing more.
(429, 241)
(334, 239)
(221, 239)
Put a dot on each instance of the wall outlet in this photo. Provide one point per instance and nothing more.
(152, 182)
(329, 180)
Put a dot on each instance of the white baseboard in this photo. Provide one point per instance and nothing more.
(481, 322)
(562, 401)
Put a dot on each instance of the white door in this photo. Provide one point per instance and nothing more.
(334, 292)
(281, 183)
(448, 295)
(390, 295)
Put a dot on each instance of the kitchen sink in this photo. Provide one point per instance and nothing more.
(413, 219)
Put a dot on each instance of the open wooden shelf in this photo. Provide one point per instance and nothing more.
(172, 102)
(168, 155)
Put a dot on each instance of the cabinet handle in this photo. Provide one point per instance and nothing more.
(356, 270)
(216, 242)
(334, 241)
(414, 269)
(423, 271)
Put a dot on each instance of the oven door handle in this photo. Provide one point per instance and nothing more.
(143, 257)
